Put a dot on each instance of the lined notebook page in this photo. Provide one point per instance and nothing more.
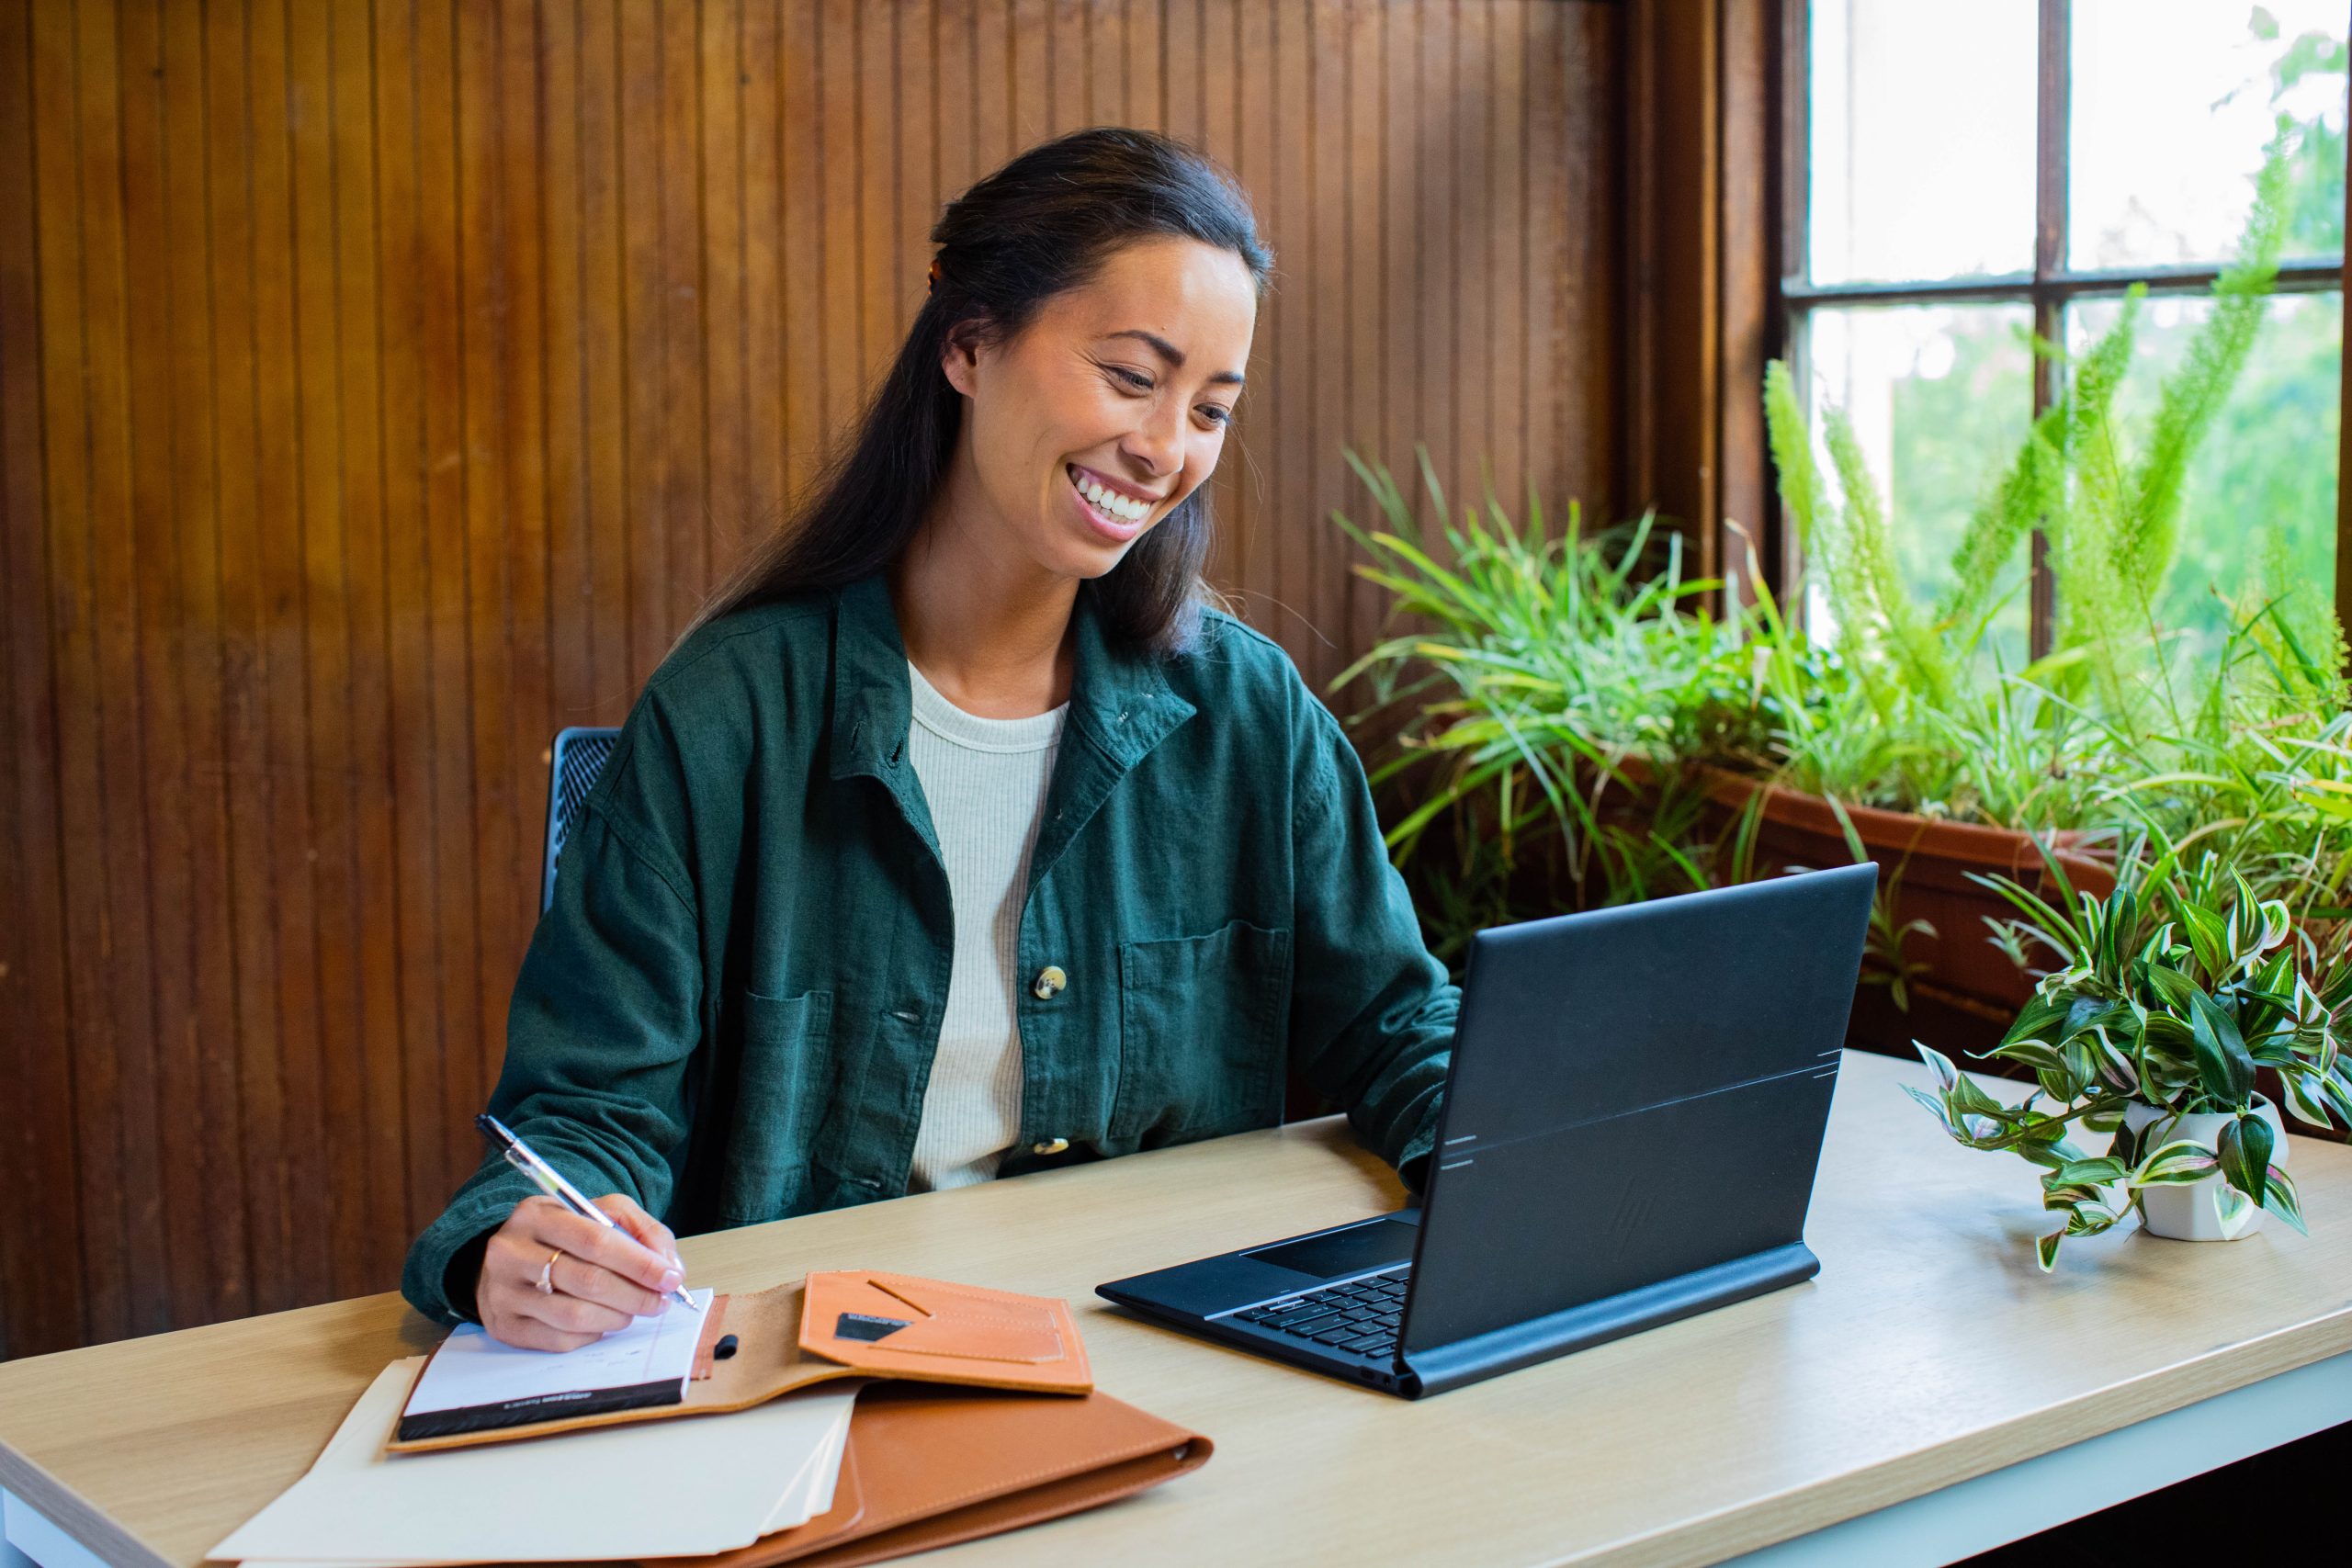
(472, 1371)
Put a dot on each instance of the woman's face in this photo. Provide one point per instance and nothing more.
(1095, 422)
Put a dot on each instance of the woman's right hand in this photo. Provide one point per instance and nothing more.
(601, 1278)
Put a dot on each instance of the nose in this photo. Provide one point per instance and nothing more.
(1158, 443)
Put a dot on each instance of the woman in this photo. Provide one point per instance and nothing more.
(959, 838)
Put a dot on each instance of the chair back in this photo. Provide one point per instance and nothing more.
(579, 756)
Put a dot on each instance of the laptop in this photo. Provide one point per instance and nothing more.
(1632, 1118)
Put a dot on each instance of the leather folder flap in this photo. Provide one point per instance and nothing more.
(927, 1466)
(898, 1325)
(767, 1361)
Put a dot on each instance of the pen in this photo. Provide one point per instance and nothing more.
(524, 1159)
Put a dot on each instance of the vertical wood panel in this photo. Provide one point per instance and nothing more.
(382, 387)
(43, 1288)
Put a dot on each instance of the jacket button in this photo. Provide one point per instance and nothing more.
(1049, 980)
(1050, 1146)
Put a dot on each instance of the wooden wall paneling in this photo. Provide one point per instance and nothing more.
(412, 754)
(1403, 234)
(1180, 70)
(113, 976)
(1256, 487)
(872, 73)
(1216, 117)
(1290, 531)
(1145, 63)
(292, 433)
(486, 602)
(247, 781)
(1438, 308)
(515, 270)
(726, 429)
(375, 1032)
(681, 513)
(1506, 200)
(56, 268)
(1702, 247)
(1471, 97)
(321, 519)
(1103, 66)
(1369, 328)
(381, 389)
(572, 629)
(1551, 445)
(837, 163)
(443, 374)
(637, 137)
(1322, 472)
(805, 246)
(42, 1283)
(605, 403)
(1065, 85)
(168, 1217)
(207, 1102)
(917, 124)
(761, 164)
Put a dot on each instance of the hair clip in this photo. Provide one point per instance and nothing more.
(934, 288)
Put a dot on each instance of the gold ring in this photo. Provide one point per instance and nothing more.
(546, 1285)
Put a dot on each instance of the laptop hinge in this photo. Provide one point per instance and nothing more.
(1438, 1367)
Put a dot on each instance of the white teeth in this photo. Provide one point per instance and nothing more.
(1124, 508)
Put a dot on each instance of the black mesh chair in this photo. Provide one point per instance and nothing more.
(579, 756)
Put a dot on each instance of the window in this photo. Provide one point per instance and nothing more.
(1976, 173)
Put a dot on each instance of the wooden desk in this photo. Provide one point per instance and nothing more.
(1848, 1412)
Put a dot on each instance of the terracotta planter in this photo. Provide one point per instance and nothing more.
(1929, 863)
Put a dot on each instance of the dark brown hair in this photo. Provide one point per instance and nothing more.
(1044, 223)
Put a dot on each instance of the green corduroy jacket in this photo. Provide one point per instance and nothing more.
(730, 1010)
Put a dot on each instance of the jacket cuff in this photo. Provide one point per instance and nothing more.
(1413, 1159)
(477, 1210)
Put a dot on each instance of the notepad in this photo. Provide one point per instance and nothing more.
(668, 1489)
(474, 1383)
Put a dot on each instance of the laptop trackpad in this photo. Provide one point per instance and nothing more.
(1381, 1244)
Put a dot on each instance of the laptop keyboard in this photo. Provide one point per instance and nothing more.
(1360, 1316)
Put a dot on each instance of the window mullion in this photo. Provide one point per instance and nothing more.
(2052, 70)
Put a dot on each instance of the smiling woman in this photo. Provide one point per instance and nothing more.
(962, 836)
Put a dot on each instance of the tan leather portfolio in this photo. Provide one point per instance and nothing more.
(928, 1466)
(847, 1323)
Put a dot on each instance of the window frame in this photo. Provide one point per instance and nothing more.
(2048, 290)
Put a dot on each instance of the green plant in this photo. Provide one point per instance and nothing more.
(1541, 666)
(1931, 722)
(2172, 993)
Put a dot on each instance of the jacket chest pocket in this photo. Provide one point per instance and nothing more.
(1203, 1033)
(782, 1075)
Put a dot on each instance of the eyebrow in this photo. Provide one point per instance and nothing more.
(1175, 356)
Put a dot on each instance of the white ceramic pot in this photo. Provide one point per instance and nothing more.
(2210, 1209)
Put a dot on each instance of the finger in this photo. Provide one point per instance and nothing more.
(606, 1247)
(642, 1225)
(572, 1315)
(577, 1277)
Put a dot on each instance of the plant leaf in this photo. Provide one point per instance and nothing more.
(2181, 1161)
(2281, 1198)
(2244, 1150)
(2224, 1066)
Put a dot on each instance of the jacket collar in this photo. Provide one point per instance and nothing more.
(1120, 701)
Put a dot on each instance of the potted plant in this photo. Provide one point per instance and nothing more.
(2174, 996)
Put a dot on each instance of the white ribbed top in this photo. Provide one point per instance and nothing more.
(985, 781)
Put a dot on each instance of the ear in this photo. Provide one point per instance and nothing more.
(960, 359)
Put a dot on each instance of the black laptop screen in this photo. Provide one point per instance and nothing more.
(1350, 1251)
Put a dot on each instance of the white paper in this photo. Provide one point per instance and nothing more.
(688, 1486)
(471, 1369)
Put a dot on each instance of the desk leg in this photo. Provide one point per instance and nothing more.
(2024, 1499)
(27, 1540)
